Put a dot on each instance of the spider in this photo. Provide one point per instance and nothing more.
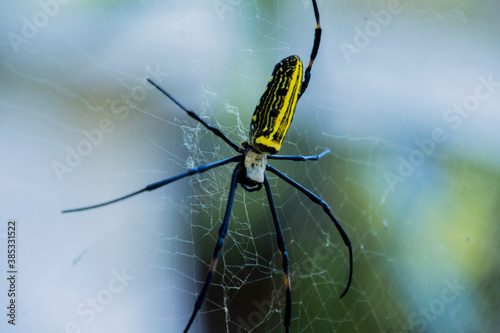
(270, 122)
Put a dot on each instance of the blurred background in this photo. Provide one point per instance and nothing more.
(405, 94)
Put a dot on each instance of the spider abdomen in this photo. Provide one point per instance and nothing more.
(274, 112)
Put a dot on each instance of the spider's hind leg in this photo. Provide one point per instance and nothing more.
(314, 52)
(193, 115)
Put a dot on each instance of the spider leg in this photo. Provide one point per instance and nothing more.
(193, 115)
(326, 208)
(154, 186)
(218, 247)
(314, 52)
(284, 254)
(298, 157)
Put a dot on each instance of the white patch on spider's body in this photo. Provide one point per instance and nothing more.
(255, 164)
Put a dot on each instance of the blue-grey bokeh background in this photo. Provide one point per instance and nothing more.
(421, 208)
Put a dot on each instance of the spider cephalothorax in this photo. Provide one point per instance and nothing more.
(255, 165)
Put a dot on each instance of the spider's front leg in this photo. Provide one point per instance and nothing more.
(154, 186)
(284, 254)
(316, 199)
(220, 242)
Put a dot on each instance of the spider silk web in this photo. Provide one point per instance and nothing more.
(404, 94)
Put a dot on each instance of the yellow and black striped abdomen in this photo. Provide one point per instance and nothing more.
(274, 113)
